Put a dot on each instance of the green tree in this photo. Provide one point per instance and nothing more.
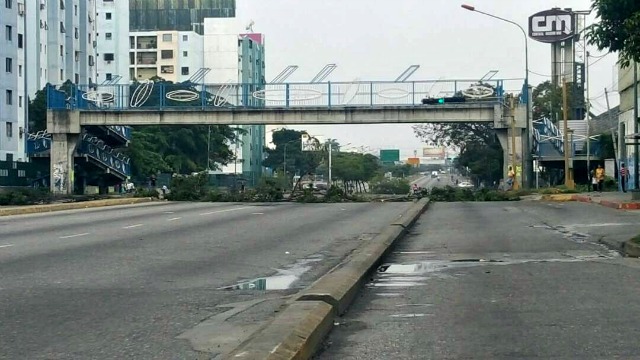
(617, 30)
(298, 161)
(354, 168)
(38, 112)
(480, 150)
(547, 102)
(179, 149)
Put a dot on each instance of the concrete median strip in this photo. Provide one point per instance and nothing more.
(35, 209)
(298, 332)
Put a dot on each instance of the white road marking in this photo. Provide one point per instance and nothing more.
(73, 236)
(132, 226)
(223, 211)
(174, 219)
(168, 212)
(257, 213)
(5, 246)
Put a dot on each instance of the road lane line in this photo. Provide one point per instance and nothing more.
(6, 246)
(174, 219)
(73, 236)
(223, 211)
(257, 213)
(132, 226)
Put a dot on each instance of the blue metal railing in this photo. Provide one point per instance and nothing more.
(164, 95)
(90, 146)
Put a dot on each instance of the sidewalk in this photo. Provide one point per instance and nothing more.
(36, 209)
(614, 200)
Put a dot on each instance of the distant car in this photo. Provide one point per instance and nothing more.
(465, 184)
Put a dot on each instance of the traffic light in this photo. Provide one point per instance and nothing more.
(443, 100)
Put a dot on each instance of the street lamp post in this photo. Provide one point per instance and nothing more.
(526, 143)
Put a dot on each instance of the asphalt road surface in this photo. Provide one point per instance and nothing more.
(164, 281)
(525, 280)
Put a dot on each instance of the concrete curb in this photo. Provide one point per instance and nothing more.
(36, 209)
(631, 249)
(298, 332)
(588, 199)
(295, 334)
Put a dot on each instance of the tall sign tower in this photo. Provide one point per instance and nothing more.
(560, 28)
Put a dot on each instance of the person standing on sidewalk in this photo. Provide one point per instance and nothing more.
(594, 181)
(624, 176)
(600, 177)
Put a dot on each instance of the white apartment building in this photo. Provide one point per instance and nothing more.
(43, 41)
(172, 55)
(112, 20)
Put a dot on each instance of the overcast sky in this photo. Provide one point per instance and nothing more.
(378, 39)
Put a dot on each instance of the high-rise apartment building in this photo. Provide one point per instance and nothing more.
(171, 55)
(239, 58)
(43, 41)
(177, 15)
(112, 39)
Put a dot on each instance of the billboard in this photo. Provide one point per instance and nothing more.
(434, 152)
(552, 26)
(414, 161)
(390, 155)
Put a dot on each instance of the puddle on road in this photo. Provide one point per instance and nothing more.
(417, 274)
(282, 280)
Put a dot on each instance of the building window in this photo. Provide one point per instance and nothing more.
(108, 76)
(75, 10)
(61, 74)
(185, 37)
(77, 56)
(185, 53)
(8, 64)
(20, 70)
(22, 173)
(107, 16)
(62, 28)
(7, 3)
(167, 37)
(167, 69)
(185, 70)
(76, 77)
(108, 57)
(166, 54)
(8, 33)
(20, 41)
(9, 95)
(61, 4)
(9, 129)
(4, 172)
(20, 101)
(76, 33)
(108, 36)
(61, 50)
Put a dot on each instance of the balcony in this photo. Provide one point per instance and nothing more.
(147, 59)
(147, 43)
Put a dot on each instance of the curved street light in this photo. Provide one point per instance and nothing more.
(526, 144)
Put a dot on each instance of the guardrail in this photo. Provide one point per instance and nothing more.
(165, 95)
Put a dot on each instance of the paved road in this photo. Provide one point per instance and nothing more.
(146, 282)
(519, 280)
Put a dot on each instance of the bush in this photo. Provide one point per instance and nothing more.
(146, 193)
(268, 190)
(450, 194)
(189, 188)
(25, 196)
(391, 186)
(309, 197)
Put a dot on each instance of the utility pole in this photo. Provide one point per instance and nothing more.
(588, 115)
(513, 146)
(568, 176)
(636, 156)
(329, 182)
(209, 149)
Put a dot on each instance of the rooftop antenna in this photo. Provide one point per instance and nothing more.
(324, 73)
(407, 73)
(249, 27)
(284, 74)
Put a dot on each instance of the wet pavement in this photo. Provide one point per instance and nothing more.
(169, 281)
(522, 280)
